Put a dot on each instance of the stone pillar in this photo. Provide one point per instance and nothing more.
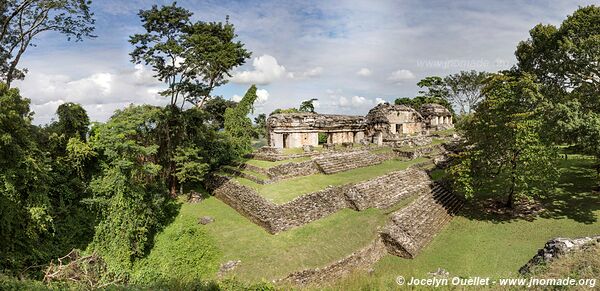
(313, 138)
(358, 136)
(276, 140)
(378, 138)
(450, 119)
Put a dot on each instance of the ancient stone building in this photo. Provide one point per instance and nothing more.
(293, 130)
(387, 122)
(384, 124)
(436, 117)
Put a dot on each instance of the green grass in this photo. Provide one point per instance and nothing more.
(478, 245)
(266, 256)
(269, 164)
(287, 190)
(434, 142)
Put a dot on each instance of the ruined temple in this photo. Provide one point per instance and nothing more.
(436, 117)
(385, 123)
(292, 130)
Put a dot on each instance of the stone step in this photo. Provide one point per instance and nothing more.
(342, 162)
(413, 227)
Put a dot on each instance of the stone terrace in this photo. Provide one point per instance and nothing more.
(334, 163)
(385, 191)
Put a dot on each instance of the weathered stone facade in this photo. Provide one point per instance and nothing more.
(388, 123)
(436, 117)
(384, 124)
(295, 130)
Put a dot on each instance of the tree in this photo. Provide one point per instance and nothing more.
(215, 107)
(25, 218)
(191, 58)
(238, 126)
(464, 89)
(260, 123)
(23, 20)
(308, 106)
(129, 193)
(404, 101)
(505, 150)
(565, 60)
(435, 86)
(288, 110)
(73, 120)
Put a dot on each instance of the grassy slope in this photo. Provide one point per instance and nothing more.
(474, 245)
(273, 256)
(289, 189)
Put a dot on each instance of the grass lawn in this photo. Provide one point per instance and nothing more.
(289, 189)
(478, 245)
(266, 256)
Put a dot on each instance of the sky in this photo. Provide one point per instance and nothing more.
(350, 55)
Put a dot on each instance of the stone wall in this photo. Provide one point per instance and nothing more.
(275, 218)
(308, 208)
(361, 259)
(387, 190)
(556, 248)
(243, 199)
(346, 161)
(413, 153)
(292, 169)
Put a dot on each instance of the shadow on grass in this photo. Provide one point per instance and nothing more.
(574, 197)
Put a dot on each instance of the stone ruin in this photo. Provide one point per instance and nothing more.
(384, 124)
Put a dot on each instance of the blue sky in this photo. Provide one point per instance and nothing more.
(348, 54)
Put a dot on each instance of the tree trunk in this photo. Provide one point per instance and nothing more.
(510, 202)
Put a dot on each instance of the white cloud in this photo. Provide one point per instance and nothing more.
(113, 89)
(236, 98)
(355, 101)
(379, 101)
(262, 96)
(310, 73)
(364, 72)
(401, 75)
(266, 70)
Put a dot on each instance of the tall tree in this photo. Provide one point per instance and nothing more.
(464, 89)
(215, 107)
(308, 105)
(191, 58)
(23, 20)
(566, 61)
(25, 219)
(435, 87)
(73, 120)
(238, 125)
(505, 150)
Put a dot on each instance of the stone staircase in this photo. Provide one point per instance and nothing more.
(413, 227)
(334, 163)
(385, 191)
